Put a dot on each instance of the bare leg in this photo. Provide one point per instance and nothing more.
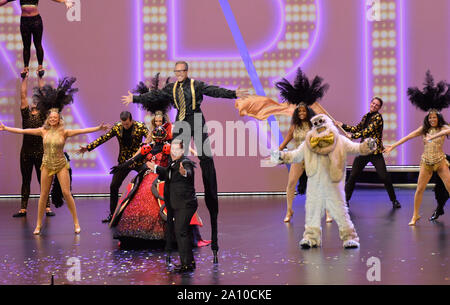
(424, 178)
(64, 181)
(294, 174)
(46, 183)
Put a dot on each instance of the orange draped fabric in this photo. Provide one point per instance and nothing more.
(261, 107)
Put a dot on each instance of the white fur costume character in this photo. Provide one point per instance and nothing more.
(325, 152)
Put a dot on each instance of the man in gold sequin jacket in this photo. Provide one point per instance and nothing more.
(371, 126)
(130, 135)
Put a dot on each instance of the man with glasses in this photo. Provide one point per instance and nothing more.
(371, 126)
(186, 95)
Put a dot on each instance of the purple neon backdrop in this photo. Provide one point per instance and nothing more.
(175, 53)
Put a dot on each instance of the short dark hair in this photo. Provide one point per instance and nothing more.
(379, 99)
(125, 115)
(186, 66)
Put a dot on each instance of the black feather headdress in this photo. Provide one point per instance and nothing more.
(432, 97)
(155, 99)
(47, 97)
(303, 90)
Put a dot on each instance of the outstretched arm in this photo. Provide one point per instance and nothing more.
(215, 91)
(148, 97)
(294, 156)
(75, 132)
(413, 134)
(445, 131)
(163, 172)
(288, 138)
(29, 131)
(365, 148)
(366, 132)
(68, 3)
(352, 129)
(3, 2)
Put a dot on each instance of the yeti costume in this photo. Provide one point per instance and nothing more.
(325, 152)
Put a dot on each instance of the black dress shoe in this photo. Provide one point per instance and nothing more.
(20, 214)
(184, 268)
(107, 219)
(436, 215)
(396, 204)
(50, 213)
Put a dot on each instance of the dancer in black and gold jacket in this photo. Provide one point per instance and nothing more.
(371, 126)
(130, 135)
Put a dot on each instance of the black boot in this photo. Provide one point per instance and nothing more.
(396, 204)
(185, 268)
(168, 260)
(436, 214)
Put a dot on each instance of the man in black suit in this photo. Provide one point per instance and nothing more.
(181, 203)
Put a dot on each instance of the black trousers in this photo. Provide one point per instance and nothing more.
(209, 176)
(32, 27)
(183, 233)
(115, 185)
(27, 162)
(380, 166)
(440, 192)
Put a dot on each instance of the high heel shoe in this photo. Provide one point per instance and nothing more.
(24, 73)
(289, 215)
(41, 73)
(77, 230)
(37, 231)
(413, 221)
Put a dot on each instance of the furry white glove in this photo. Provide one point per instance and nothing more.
(372, 144)
(275, 157)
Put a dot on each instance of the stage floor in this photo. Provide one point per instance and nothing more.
(256, 247)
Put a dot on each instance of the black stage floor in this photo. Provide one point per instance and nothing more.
(256, 246)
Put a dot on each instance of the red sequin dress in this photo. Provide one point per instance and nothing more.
(141, 217)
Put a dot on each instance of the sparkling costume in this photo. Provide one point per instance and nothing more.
(141, 217)
(371, 126)
(433, 152)
(129, 142)
(54, 159)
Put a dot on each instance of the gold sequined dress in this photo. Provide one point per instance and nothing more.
(433, 152)
(54, 159)
(300, 133)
